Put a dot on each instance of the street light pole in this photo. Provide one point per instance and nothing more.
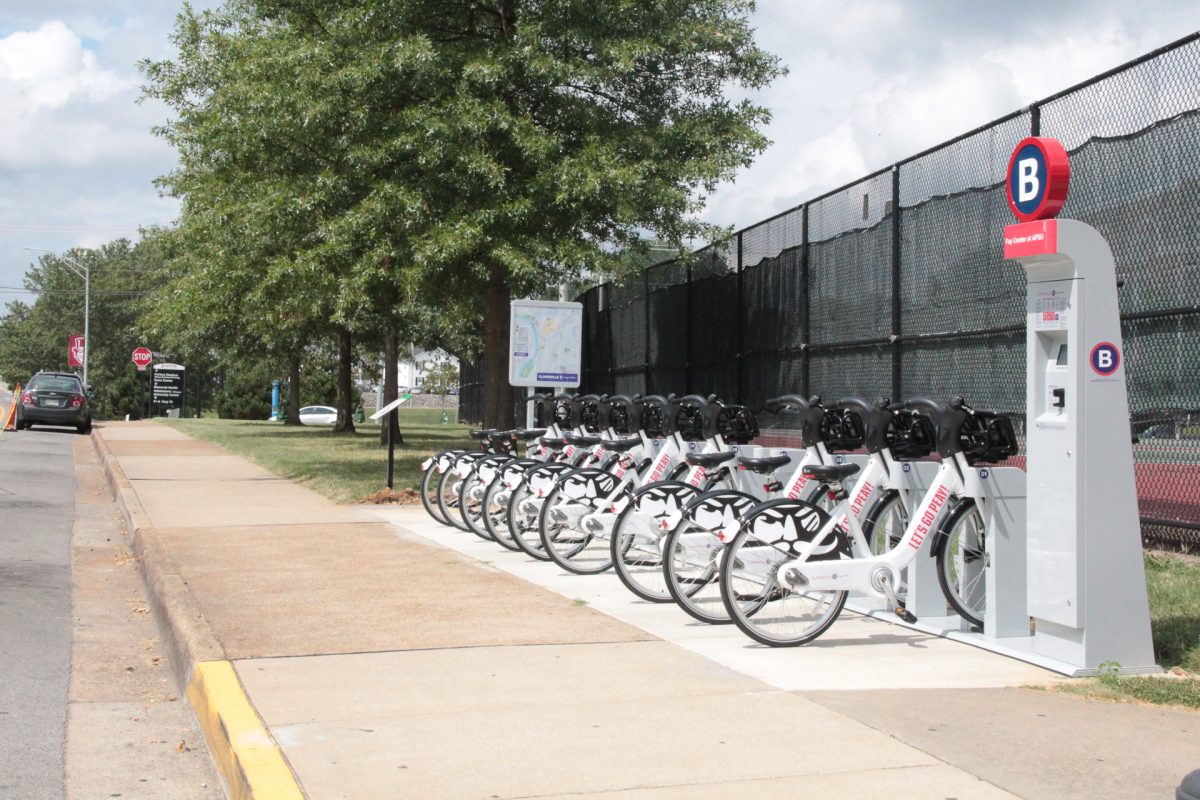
(85, 273)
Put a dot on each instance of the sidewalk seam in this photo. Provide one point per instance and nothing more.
(250, 761)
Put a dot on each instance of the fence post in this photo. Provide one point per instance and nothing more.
(739, 365)
(1035, 120)
(687, 339)
(805, 390)
(895, 332)
(646, 317)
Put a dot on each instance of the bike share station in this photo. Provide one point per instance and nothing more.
(1064, 575)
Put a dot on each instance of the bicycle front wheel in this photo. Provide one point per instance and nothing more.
(637, 538)
(764, 609)
(429, 486)
(962, 562)
(565, 538)
(495, 514)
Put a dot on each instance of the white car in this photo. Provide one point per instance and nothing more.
(318, 415)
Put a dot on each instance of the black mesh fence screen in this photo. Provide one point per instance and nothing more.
(895, 285)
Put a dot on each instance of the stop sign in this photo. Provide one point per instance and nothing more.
(142, 357)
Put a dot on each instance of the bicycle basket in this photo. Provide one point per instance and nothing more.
(737, 424)
(652, 421)
(910, 435)
(841, 429)
(589, 414)
(690, 423)
(988, 437)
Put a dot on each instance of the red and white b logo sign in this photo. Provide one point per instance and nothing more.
(1105, 358)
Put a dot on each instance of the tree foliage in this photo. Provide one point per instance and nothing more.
(34, 337)
(377, 164)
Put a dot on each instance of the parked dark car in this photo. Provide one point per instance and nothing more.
(54, 398)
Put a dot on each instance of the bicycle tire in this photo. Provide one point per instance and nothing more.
(635, 542)
(429, 483)
(572, 548)
(495, 516)
(449, 492)
(771, 614)
(692, 569)
(961, 557)
(482, 474)
(522, 526)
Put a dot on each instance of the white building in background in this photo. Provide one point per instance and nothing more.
(415, 363)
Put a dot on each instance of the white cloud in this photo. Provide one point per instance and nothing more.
(49, 67)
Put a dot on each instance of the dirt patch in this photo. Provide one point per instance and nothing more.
(405, 497)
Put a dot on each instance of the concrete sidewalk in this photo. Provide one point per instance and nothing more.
(344, 654)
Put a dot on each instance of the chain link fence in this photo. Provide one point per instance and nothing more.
(895, 285)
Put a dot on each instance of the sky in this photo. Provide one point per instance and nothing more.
(870, 82)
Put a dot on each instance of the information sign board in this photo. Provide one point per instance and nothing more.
(545, 343)
(167, 385)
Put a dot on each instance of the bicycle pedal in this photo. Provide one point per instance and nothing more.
(906, 615)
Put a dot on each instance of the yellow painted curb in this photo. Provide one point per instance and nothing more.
(246, 755)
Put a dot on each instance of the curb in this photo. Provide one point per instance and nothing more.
(249, 760)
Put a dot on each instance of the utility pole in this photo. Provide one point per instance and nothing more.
(85, 273)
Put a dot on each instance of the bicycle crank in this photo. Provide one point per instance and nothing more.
(881, 581)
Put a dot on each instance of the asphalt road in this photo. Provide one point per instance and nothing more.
(37, 508)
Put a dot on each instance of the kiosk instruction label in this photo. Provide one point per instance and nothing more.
(545, 343)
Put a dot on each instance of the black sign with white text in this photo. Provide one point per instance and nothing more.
(168, 384)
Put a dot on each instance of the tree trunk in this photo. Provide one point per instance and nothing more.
(391, 385)
(497, 394)
(345, 389)
(292, 417)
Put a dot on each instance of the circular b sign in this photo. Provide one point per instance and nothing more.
(1038, 177)
(1105, 358)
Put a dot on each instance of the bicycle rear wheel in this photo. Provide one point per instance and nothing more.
(962, 561)
(764, 609)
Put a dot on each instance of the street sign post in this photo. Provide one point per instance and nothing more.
(390, 410)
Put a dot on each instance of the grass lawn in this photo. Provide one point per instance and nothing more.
(1173, 585)
(344, 468)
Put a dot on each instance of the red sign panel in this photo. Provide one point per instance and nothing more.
(1031, 238)
(142, 357)
(75, 347)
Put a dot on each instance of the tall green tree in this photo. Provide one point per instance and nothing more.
(34, 336)
(457, 154)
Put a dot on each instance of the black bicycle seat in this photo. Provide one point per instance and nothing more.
(828, 473)
(552, 443)
(528, 434)
(582, 441)
(764, 465)
(622, 444)
(708, 459)
(482, 434)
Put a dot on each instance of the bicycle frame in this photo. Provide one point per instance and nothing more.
(876, 576)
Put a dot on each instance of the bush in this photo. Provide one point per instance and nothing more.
(125, 395)
(244, 397)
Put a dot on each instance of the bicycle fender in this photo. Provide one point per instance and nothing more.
(943, 531)
(662, 498)
(719, 511)
(791, 524)
(587, 484)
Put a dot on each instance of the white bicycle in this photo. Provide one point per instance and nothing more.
(786, 574)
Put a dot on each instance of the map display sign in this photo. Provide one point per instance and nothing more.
(545, 343)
